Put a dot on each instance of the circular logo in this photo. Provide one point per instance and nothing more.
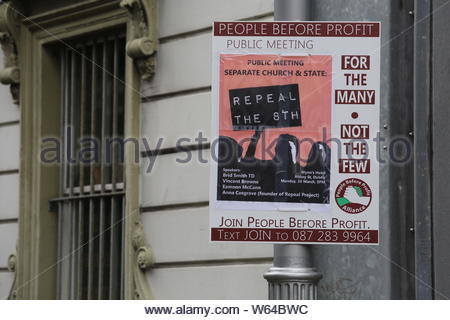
(353, 195)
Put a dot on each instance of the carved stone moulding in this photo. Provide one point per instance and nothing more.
(144, 259)
(9, 40)
(12, 266)
(143, 44)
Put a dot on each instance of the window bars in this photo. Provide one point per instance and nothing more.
(91, 203)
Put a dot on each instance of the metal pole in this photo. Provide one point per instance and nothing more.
(292, 10)
(293, 276)
(422, 150)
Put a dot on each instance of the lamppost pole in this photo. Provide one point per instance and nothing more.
(293, 276)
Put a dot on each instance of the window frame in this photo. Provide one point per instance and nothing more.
(40, 117)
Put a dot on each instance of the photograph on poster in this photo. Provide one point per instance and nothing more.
(274, 118)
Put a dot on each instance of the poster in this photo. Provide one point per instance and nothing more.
(295, 108)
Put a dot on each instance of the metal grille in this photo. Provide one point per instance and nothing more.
(91, 203)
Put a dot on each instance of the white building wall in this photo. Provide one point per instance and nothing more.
(9, 183)
(174, 197)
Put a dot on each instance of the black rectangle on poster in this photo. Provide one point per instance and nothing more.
(265, 107)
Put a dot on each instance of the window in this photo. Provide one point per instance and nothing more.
(73, 71)
(91, 201)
